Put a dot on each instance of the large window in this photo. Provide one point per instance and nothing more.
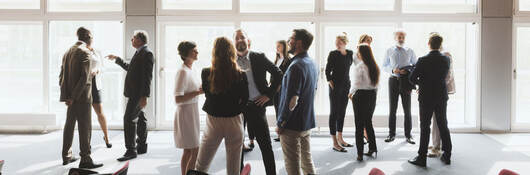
(204, 34)
(20, 4)
(460, 40)
(85, 6)
(364, 5)
(21, 67)
(277, 6)
(437, 6)
(524, 5)
(522, 76)
(196, 5)
(108, 39)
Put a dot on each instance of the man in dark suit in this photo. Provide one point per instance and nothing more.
(76, 91)
(137, 89)
(256, 65)
(430, 73)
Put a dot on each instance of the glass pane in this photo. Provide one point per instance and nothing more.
(460, 43)
(263, 36)
(20, 4)
(437, 6)
(524, 5)
(203, 36)
(21, 68)
(379, 5)
(522, 97)
(108, 39)
(197, 5)
(85, 5)
(382, 35)
(277, 6)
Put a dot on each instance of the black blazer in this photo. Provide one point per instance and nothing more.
(260, 65)
(139, 74)
(226, 104)
(338, 67)
(429, 74)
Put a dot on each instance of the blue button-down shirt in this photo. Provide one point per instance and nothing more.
(398, 57)
(300, 80)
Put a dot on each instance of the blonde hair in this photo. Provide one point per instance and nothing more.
(363, 38)
(343, 37)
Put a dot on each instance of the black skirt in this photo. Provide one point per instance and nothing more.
(96, 94)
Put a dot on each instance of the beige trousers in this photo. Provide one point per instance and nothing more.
(297, 151)
(218, 128)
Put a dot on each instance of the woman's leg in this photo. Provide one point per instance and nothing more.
(359, 110)
(98, 107)
(333, 119)
(341, 112)
(184, 161)
(369, 128)
(193, 158)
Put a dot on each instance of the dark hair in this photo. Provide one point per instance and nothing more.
(224, 69)
(83, 34)
(435, 41)
(141, 35)
(304, 36)
(368, 59)
(285, 51)
(184, 48)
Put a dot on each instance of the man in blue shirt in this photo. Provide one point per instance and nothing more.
(296, 111)
(396, 58)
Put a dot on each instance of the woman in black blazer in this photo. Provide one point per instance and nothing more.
(283, 60)
(338, 76)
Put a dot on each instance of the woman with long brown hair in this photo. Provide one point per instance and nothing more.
(282, 61)
(226, 89)
(363, 95)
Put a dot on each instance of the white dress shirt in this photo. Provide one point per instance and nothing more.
(245, 65)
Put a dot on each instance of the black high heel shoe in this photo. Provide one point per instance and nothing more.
(370, 153)
(108, 144)
(360, 158)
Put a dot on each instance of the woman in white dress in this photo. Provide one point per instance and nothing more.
(187, 90)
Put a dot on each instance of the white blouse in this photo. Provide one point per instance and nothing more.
(96, 66)
(185, 83)
(361, 78)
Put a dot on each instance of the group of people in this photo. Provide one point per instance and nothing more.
(238, 91)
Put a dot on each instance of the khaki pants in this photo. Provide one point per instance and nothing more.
(297, 151)
(218, 128)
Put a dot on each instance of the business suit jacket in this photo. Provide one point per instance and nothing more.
(430, 73)
(260, 65)
(139, 73)
(75, 79)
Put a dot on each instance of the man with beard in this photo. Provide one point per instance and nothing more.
(256, 65)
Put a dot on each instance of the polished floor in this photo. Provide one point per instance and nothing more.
(474, 154)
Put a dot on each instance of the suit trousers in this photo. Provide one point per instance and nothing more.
(80, 113)
(338, 101)
(218, 128)
(256, 119)
(426, 110)
(134, 124)
(394, 93)
(363, 107)
(296, 146)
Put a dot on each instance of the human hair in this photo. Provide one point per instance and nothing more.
(83, 34)
(363, 38)
(240, 30)
(368, 59)
(343, 37)
(435, 41)
(224, 69)
(304, 36)
(141, 35)
(285, 51)
(184, 48)
(398, 31)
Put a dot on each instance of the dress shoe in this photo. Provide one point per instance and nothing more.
(73, 159)
(128, 156)
(360, 158)
(142, 148)
(411, 140)
(371, 153)
(277, 139)
(90, 165)
(107, 143)
(251, 145)
(390, 138)
(247, 149)
(195, 172)
(419, 161)
(446, 159)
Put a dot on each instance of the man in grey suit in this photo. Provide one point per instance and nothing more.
(76, 92)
